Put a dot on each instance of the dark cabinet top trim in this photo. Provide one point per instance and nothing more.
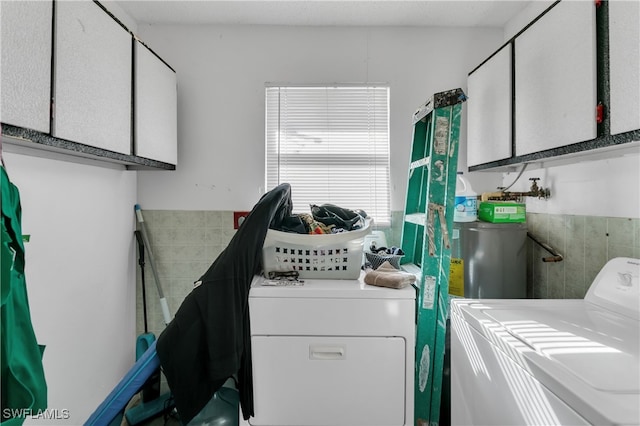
(32, 138)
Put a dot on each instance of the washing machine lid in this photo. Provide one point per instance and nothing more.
(587, 355)
(617, 287)
(329, 288)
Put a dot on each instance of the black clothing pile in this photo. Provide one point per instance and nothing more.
(324, 219)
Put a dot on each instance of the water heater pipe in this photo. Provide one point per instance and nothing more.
(556, 257)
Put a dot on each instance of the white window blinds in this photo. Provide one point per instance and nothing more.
(332, 145)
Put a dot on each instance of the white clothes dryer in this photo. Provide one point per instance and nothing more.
(550, 362)
(332, 352)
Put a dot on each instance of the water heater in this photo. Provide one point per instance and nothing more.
(488, 260)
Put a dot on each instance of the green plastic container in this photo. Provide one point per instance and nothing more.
(502, 212)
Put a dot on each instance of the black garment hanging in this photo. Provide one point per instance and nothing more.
(209, 339)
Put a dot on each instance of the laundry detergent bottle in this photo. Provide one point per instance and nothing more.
(466, 204)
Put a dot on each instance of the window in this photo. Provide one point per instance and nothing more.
(332, 145)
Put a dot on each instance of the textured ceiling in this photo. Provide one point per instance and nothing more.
(470, 13)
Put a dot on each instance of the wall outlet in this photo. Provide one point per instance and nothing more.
(238, 218)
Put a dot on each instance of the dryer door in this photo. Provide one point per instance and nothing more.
(324, 380)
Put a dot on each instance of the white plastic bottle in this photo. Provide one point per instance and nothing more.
(466, 204)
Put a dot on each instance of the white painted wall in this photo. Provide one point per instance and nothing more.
(222, 71)
(80, 273)
(608, 187)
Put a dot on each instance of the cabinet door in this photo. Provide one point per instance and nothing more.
(92, 77)
(489, 106)
(25, 36)
(555, 79)
(155, 107)
(624, 65)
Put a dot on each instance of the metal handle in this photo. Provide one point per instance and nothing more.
(163, 302)
(327, 352)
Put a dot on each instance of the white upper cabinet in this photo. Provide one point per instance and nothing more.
(624, 66)
(25, 38)
(155, 104)
(489, 106)
(555, 79)
(92, 85)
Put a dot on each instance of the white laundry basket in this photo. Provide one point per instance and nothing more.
(337, 256)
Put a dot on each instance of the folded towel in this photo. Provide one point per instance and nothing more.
(388, 276)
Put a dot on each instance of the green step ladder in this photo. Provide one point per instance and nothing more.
(426, 236)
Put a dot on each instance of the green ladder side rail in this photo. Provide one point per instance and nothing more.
(428, 220)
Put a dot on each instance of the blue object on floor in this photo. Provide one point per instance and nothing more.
(143, 343)
(130, 384)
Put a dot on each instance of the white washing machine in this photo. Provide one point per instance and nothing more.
(332, 352)
(550, 362)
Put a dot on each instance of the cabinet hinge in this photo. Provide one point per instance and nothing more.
(600, 111)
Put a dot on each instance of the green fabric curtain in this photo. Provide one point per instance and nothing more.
(24, 388)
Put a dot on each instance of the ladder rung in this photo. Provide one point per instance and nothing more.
(419, 163)
(417, 218)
